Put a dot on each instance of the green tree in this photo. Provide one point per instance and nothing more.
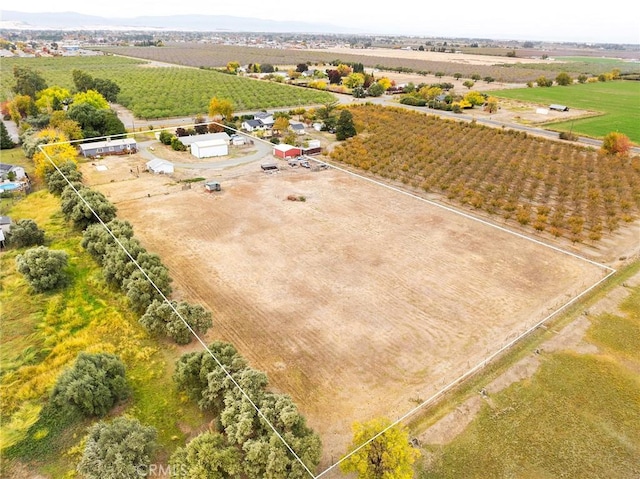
(96, 239)
(82, 81)
(93, 385)
(120, 449)
(85, 206)
(43, 268)
(345, 127)
(375, 89)
(28, 81)
(563, 79)
(144, 288)
(58, 179)
(207, 456)
(96, 122)
(6, 143)
(107, 88)
(469, 84)
(25, 232)
(117, 261)
(203, 380)
(388, 456)
(167, 320)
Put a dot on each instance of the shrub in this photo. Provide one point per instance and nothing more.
(177, 145)
(25, 233)
(413, 100)
(165, 137)
(43, 268)
(93, 385)
(566, 135)
(117, 450)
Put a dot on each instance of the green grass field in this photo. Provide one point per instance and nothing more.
(162, 92)
(578, 416)
(617, 101)
(41, 335)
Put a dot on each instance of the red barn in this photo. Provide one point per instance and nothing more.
(286, 151)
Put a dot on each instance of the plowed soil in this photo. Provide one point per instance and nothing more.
(358, 302)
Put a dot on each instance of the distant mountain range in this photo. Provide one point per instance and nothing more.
(221, 23)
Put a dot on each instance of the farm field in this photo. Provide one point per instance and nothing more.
(616, 100)
(358, 301)
(213, 55)
(505, 174)
(161, 92)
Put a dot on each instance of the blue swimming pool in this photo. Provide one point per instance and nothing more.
(9, 186)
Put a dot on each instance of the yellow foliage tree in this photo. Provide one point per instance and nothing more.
(232, 67)
(56, 150)
(474, 97)
(220, 107)
(385, 83)
(52, 98)
(91, 97)
(388, 456)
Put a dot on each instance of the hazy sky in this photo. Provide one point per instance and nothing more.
(613, 21)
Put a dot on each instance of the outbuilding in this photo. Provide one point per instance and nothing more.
(286, 151)
(191, 139)
(207, 149)
(160, 166)
(558, 107)
(120, 146)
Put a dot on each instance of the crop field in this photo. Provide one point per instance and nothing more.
(358, 302)
(197, 55)
(161, 92)
(616, 100)
(508, 175)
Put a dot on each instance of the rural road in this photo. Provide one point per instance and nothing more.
(130, 121)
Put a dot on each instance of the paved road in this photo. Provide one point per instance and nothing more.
(130, 122)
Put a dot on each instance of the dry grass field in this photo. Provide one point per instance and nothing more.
(358, 302)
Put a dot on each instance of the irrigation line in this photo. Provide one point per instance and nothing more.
(202, 343)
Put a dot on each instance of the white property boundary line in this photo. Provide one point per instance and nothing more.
(166, 300)
(473, 370)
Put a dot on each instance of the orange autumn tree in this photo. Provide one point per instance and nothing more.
(616, 143)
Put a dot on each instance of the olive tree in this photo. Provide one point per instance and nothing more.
(43, 268)
(84, 206)
(207, 455)
(168, 319)
(93, 385)
(96, 239)
(120, 449)
(58, 179)
(25, 233)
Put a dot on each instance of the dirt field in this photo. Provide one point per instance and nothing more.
(358, 302)
(461, 58)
